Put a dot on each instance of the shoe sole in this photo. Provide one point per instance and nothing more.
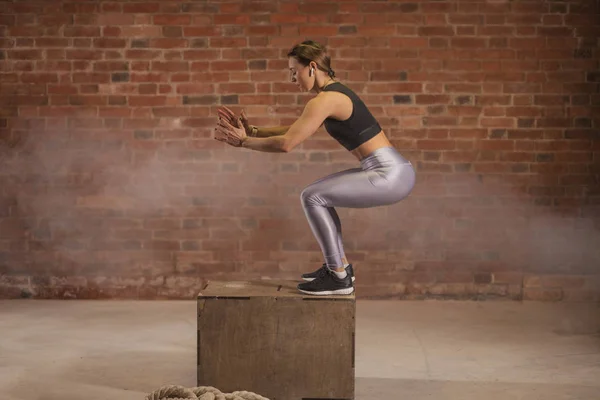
(330, 292)
(312, 279)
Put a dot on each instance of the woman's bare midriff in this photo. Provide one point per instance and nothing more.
(376, 142)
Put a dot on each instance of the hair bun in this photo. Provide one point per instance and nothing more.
(311, 51)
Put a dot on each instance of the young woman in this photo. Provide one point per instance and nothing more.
(384, 176)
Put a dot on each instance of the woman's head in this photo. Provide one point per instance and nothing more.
(309, 64)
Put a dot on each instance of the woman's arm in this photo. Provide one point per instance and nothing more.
(273, 144)
(271, 131)
(312, 118)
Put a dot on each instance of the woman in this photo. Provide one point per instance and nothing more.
(384, 177)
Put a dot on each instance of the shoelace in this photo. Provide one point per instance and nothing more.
(324, 271)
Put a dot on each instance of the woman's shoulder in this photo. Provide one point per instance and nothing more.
(332, 94)
(334, 86)
(339, 87)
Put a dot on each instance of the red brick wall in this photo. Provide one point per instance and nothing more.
(116, 188)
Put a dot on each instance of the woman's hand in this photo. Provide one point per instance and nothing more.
(232, 135)
(238, 122)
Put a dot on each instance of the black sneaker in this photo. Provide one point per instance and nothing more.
(327, 283)
(312, 275)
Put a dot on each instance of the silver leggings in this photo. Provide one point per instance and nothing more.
(385, 177)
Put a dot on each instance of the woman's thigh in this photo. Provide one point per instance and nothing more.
(358, 188)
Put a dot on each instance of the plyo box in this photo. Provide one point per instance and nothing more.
(268, 338)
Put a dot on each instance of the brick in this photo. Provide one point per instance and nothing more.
(111, 31)
(139, 31)
(391, 76)
(431, 99)
(169, 66)
(81, 31)
(438, 7)
(240, 65)
(205, 100)
(168, 43)
(24, 54)
(25, 31)
(402, 99)
(227, 42)
(257, 64)
(315, 30)
(466, 19)
(172, 19)
(376, 30)
(524, 112)
(109, 43)
(468, 43)
(111, 66)
(563, 31)
(427, 144)
(435, 31)
(347, 30)
(259, 7)
(120, 77)
(51, 42)
(39, 78)
(288, 18)
(550, 100)
(232, 19)
(462, 87)
(193, 88)
(93, 77)
(168, 245)
(136, 8)
(172, 31)
(145, 101)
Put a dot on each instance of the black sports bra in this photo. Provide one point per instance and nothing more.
(356, 130)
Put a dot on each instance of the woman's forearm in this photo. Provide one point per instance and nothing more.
(271, 131)
(275, 144)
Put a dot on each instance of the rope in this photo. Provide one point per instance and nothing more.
(175, 392)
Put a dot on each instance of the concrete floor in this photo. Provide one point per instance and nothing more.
(123, 350)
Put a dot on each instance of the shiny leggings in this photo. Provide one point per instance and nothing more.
(385, 177)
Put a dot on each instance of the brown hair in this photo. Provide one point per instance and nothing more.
(308, 51)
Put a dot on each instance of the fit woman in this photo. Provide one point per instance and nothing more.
(385, 177)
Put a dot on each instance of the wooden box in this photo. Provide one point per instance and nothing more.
(268, 338)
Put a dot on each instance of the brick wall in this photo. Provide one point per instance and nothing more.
(111, 185)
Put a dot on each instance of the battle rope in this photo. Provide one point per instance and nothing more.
(175, 392)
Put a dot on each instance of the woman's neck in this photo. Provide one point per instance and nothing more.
(327, 83)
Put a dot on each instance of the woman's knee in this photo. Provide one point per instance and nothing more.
(310, 196)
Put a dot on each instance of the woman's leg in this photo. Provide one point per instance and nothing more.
(338, 227)
(353, 188)
(309, 276)
(333, 213)
(325, 222)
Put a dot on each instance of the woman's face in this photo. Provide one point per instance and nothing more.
(299, 75)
